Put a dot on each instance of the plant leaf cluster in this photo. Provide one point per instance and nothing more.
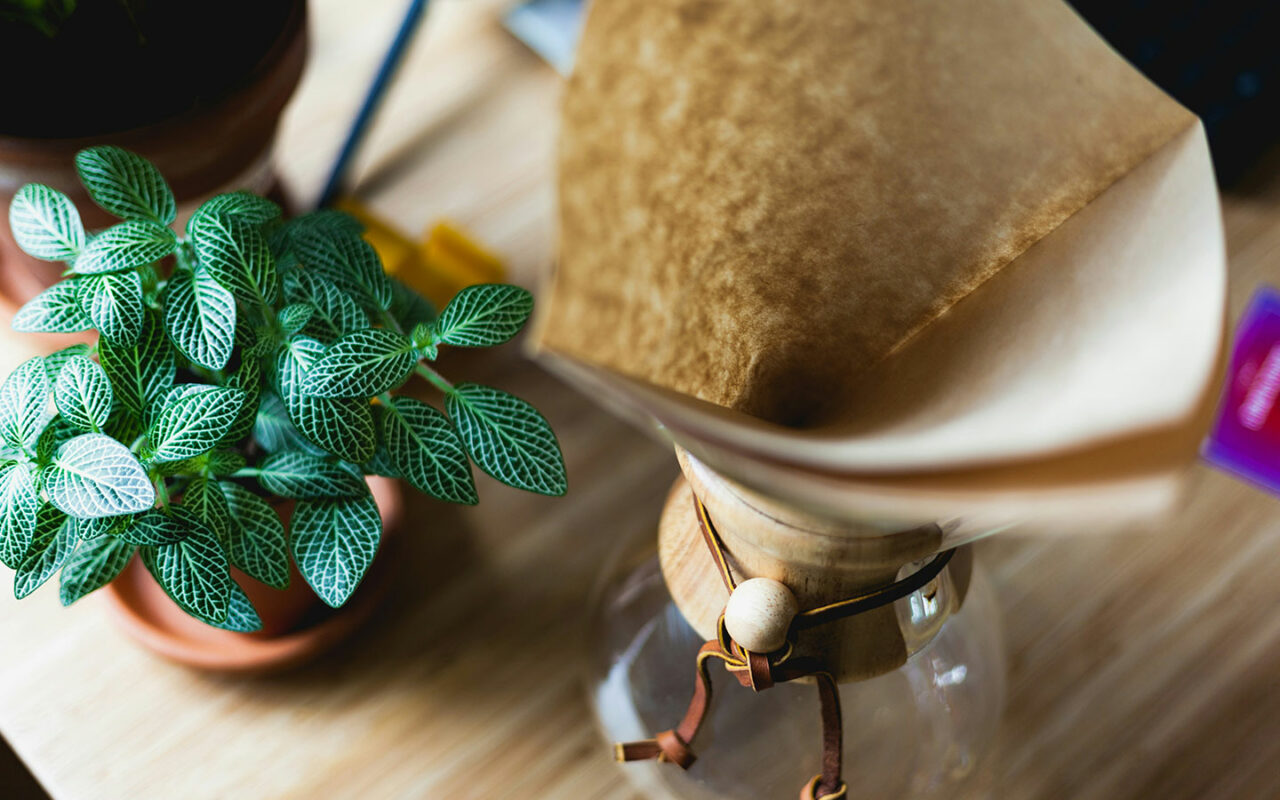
(247, 359)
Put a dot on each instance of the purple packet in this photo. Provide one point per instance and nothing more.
(1245, 439)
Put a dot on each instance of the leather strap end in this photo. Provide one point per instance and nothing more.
(666, 746)
(636, 751)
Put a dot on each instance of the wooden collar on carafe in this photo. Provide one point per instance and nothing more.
(762, 670)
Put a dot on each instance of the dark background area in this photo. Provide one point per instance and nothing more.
(15, 782)
(1220, 58)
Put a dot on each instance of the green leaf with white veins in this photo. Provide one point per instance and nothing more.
(141, 374)
(55, 361)
(88, 529)
(237, 257)
(325, 222)
(342, 427)
(57, 432)
(45, 223)
(123, 426)
(192, 421)
(484, 315)
(93, 565)
(155, 528)
(334, 313)
(194, 572)
(508, 438)
(55, 310)
(273, 429)
(52, 545)
(114, 302)
(224, 462)
(200, 316)
(24, 404)
(257, 544)
(301, 476)
(249, 380)
(125, 184)
(362, 364)
(294, 317)
(245, 205)
(423, 447)
(83, 394)
(349, 262)
(203, 497)
(253, 341)
(19, 504)
(380, 463)
(93, 475)
(241, 615)
(334, 543)
(128, 245)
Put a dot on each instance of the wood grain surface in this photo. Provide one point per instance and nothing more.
(1142, 665)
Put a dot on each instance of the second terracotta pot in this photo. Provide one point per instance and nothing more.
(213, 148)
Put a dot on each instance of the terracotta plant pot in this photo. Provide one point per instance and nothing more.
(205, 150)
(297, 625)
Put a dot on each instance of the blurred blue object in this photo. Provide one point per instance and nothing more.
(372, 99)
(550, 28)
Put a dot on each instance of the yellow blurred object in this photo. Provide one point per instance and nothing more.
(460, 257)
(447, 260)
(394, 248)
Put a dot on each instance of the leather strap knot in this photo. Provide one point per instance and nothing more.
(760, 671)
(675, 749)
(815, 790)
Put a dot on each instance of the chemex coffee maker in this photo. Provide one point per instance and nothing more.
(891, 276)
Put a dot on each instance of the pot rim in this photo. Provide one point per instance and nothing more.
(229, 652)
(239, 653)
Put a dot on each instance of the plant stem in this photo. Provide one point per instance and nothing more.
(434, 378)
(390, 321)
(267, 322)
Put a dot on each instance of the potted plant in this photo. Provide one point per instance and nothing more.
(247, 361)
(196, 88)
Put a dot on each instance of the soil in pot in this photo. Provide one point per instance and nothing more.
(297, 625)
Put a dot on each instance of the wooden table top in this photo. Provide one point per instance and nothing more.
(1142, 666)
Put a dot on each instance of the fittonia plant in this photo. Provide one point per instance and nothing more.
(251, 350)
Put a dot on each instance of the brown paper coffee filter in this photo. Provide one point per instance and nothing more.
(870, 239)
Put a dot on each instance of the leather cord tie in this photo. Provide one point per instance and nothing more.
(760, 671)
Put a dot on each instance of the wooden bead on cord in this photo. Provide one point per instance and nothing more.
(759, 614)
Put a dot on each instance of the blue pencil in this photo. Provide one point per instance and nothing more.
(372, 99)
